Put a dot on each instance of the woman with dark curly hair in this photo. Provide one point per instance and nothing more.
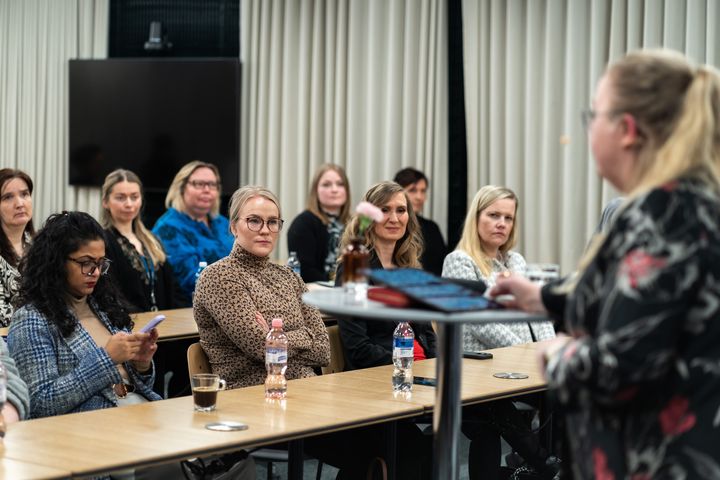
(71, 338)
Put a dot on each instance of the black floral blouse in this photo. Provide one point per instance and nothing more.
(640, 383)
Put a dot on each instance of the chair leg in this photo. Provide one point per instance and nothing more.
(319, 470)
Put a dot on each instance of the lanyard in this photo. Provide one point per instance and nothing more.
(150, 273)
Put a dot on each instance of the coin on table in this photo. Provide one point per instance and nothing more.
(511, 375)
(226, 426)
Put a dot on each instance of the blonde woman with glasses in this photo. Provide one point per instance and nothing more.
(192, 230)
(637, 375)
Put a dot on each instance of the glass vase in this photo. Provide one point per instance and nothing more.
(355, 260)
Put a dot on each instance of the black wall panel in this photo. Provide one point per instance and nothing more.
(196, 28)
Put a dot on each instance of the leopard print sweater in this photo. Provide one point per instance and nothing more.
(228, 294)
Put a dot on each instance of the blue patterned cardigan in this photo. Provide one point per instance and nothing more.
(67, 375)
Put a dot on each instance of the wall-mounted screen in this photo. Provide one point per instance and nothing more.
(152, 116)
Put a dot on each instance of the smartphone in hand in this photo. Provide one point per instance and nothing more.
(152, 324)
(478, 355)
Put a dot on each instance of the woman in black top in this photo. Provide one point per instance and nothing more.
(416, 184)
(315, 234)
(393, 243)
(139, 266)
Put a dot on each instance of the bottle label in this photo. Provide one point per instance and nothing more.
(403, 352)
(275, 355)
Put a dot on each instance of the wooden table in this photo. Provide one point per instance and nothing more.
(447, 413)
(179, 323)
(102, 441)
(14, 469)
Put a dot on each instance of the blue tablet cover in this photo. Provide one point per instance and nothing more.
(435, 292)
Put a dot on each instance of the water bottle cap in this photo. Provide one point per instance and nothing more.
(277, 322)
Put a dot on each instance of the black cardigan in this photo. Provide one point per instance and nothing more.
(308, 237)
(369, 343)
(130, 282)
(434, 248)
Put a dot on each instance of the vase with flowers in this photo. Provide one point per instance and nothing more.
(355, 256)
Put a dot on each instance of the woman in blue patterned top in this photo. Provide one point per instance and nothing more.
(192, 230)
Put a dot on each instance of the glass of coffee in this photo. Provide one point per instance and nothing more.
(204, 389)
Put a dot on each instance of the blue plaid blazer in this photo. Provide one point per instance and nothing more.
(67, 375)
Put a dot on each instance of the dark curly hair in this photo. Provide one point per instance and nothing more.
(43, 272)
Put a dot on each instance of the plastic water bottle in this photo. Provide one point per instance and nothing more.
(403, 340)
(201, 267)
(276, 348)
(294, 263)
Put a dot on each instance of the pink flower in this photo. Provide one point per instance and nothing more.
(369, 210)
(367, 213)
(675, 418)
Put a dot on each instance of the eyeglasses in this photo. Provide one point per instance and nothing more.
(202, 184)
(588, 116)
(255, 224)
(88, 267)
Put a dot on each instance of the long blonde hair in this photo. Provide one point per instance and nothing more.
(677, 111)
(409, 248)
(470, 240)
(174, 196)
(313, 202)
(157, 254)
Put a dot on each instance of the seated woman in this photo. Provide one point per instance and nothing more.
(16, 209)
(192, 230)
(393, 243)
(416, 185)
(71, 339)
(315, 233)
(484, 250)
(237, 297)
(139, 266)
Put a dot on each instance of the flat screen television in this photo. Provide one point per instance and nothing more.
(152, 116)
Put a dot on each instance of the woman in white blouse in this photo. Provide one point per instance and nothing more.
(485, 250)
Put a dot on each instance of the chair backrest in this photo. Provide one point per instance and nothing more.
(197, 360)
(337, 356)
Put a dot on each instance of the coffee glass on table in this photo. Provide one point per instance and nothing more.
(204, 390)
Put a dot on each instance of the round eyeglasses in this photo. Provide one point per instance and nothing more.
(88, 267)
(255, 224)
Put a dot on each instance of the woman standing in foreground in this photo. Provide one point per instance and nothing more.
(638, 378)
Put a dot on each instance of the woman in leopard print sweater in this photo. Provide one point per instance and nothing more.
(238, 296)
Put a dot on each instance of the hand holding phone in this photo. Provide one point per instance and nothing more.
(152, 324)
(478, 355)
